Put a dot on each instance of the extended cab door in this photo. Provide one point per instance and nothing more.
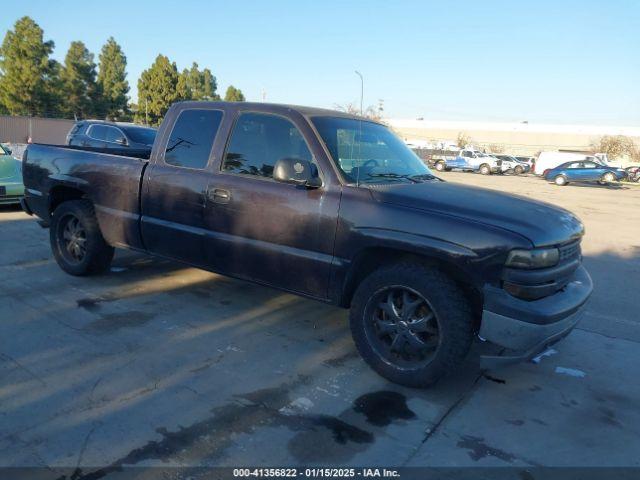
(174, 186)
(267, 231)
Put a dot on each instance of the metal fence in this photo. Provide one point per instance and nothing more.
(39, 130)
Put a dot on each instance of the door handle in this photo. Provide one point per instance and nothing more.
(219, 195)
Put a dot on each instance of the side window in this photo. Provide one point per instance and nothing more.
(589, 165)
(467, 154)
(98, 132)
(192, 138)
(115, 135)
(259, 140)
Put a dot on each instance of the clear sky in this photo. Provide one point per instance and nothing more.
(543, 61)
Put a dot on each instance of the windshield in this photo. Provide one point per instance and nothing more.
(142, 135)
(367, 152)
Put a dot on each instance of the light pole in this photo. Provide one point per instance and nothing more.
(361, 89)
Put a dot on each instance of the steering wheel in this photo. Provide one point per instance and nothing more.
(372, 161)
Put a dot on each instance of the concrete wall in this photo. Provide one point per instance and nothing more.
(518, 138)
(14, 129)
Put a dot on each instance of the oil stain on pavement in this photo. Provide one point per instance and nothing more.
(318, 436)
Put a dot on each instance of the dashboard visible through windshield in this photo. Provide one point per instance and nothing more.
(367, 152)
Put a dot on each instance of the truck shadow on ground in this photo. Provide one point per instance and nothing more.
(207, 360)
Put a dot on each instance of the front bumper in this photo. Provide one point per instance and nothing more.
(526, 328)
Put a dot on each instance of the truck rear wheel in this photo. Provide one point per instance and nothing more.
(411, 324)
(76, 240)
(485, 169)
(440, 166)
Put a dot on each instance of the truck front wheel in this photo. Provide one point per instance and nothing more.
(411, 324)
(76, 240)
(440, 166)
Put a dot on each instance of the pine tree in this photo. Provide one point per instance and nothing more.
(233, 94)
(157, 90)
(194, 84)
(28, 77)
(183, 87)
(209, 86)
(112, 81)
(78, 77)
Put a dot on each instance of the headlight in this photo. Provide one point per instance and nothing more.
(538, 258)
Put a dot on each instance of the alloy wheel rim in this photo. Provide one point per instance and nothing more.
(402, 327)
(72, 239)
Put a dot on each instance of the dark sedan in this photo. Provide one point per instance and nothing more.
(584, 171)
(105, 135)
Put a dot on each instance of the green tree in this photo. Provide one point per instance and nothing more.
(183, 87)
(233, 94)
(209, 85)
(78, 79)
(194, 84)
(157, 90)
(28, 82)
(112, 82)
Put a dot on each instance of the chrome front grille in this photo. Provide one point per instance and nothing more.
(570, 251)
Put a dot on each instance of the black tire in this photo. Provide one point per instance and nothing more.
(451, 335)
(485, 169)
(76, 241)
(560, 180)
(440, 166)
(609, 177)
(519, 170)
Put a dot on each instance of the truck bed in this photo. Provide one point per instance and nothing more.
(110, 180)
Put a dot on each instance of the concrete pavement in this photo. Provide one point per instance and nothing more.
(162, 364)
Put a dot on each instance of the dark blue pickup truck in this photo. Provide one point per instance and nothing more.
(332, 207)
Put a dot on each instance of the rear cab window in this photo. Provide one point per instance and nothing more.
(192, 137)
(259, 140)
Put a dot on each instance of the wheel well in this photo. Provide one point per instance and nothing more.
(62, 194)
(373, 258)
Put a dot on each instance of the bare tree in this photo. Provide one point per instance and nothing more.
(463, 140)
(371, 112)
(496, 148)
(616, 146)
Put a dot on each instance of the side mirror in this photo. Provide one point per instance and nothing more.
(297, 171)
(121, 141)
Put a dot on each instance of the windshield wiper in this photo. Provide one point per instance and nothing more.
(394, 176)
(424, 176)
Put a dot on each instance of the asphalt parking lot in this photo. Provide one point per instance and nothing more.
(161, 364)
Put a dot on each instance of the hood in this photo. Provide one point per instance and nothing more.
(541, 223)
(9, 166)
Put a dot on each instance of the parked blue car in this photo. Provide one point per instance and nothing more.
(584, 171)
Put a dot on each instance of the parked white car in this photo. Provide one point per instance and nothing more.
(549, 160)
(482, 162)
